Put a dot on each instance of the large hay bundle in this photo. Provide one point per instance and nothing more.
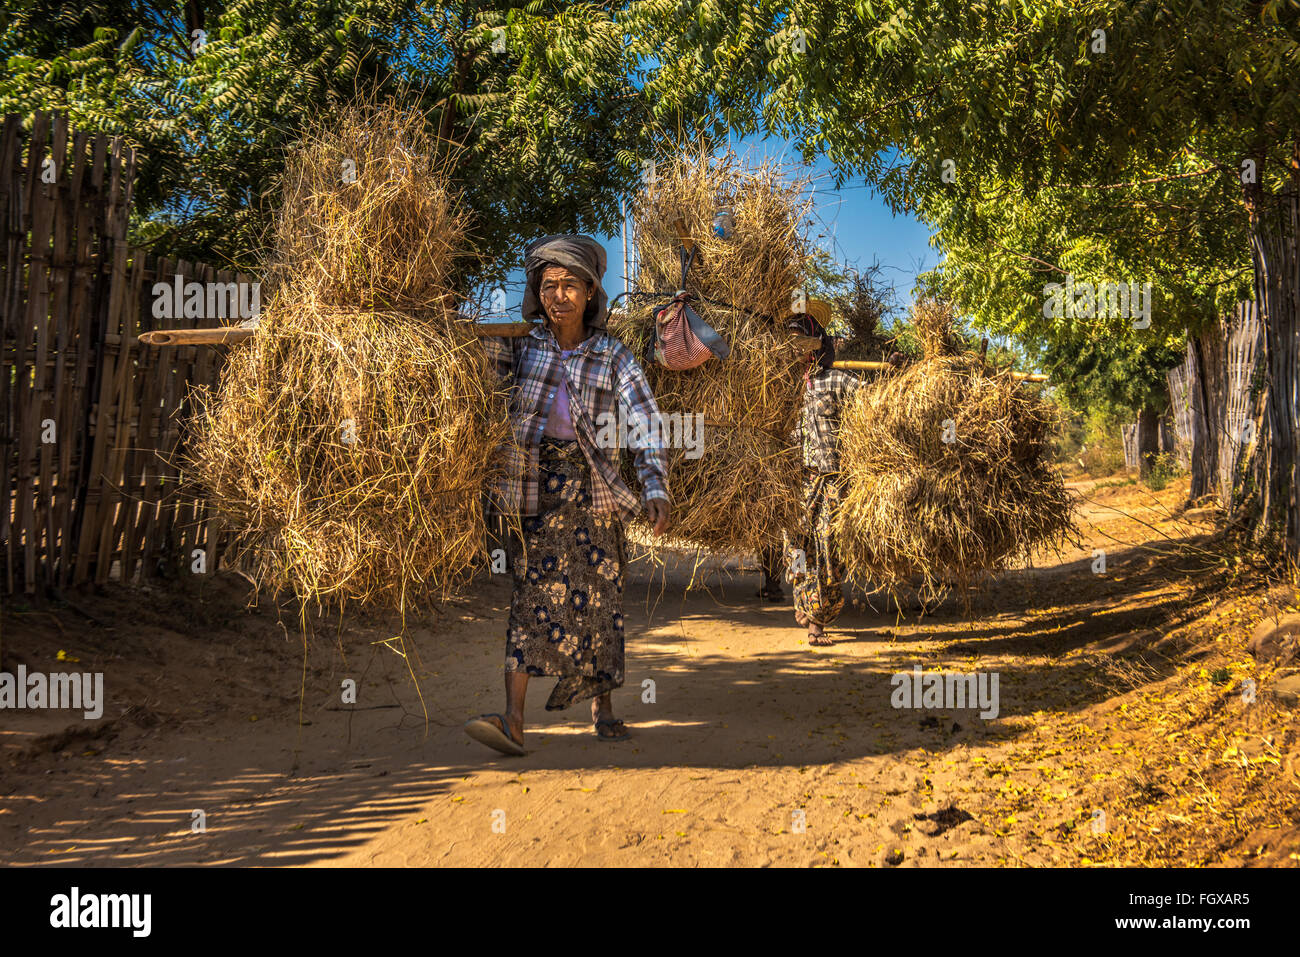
(366, 218)
(350, 439)
(947, 471)
(743, 490)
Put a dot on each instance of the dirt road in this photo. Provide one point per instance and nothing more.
(749, 747)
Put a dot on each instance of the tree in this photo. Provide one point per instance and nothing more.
(535, 102)
(1173, 234)
(934, 97)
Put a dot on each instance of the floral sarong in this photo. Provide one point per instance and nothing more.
(819, 576)
(566, 612)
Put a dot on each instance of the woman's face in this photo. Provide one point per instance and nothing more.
(564, 295)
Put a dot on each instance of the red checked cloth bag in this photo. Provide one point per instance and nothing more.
(683, 340)
(676, 344)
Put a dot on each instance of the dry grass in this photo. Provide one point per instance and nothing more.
(391, 238)
(757, 269)
(743, 490)
(351, 438)
(916, 504)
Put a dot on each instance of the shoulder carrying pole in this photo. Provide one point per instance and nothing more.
(857, 365)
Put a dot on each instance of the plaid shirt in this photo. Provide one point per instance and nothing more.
(828, 394)
(601, 375)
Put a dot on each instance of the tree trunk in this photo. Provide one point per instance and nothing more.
(1148, 439)
(194, 19)
(1274, 226)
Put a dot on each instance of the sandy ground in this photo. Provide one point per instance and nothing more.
(754, 748)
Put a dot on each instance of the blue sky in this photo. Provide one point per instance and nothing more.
(855, 224)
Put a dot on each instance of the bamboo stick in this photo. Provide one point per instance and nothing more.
(220, 336)
(229, 335)
(864, 366)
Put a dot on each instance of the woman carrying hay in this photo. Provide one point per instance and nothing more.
(567, 378)
(816, 569)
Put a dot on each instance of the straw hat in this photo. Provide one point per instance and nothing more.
(820, 310)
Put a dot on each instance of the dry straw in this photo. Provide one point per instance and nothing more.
(761, 265)
(947, 469)
(350, 439)
(742, 491)
(366, 219)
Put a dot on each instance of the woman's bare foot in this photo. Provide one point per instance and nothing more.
(816, 636)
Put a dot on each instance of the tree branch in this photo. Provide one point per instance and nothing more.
(1147, 182)
(1033, 259)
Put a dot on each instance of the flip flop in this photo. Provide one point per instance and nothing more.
(820, 640)
(609, 723)
(485, 732)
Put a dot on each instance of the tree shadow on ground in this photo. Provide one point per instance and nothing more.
(301, 796)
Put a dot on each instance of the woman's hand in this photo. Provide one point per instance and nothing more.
(657, 513)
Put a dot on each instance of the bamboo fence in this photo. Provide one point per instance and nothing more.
(1213, 399)
(92, 420)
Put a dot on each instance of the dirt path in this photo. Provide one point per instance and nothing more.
(756, 749)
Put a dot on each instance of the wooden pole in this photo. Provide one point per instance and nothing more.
(221, 336)
(627, 272)
(864, 366)
(684, 235)
(228, 335)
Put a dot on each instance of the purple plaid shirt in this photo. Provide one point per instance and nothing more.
(602, 375)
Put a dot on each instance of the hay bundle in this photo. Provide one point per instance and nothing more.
(947, 469)
(743, 489)
(366, 218)
(864, 302)
(350, 438)
(766, 259)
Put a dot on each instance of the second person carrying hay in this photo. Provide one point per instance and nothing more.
(568, 561)
(813, 556)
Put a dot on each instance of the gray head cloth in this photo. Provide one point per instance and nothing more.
(579, 254)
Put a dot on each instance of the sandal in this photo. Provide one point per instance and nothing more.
(482, 730)
(610, 723)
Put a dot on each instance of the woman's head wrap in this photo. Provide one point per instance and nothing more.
(581, 255)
